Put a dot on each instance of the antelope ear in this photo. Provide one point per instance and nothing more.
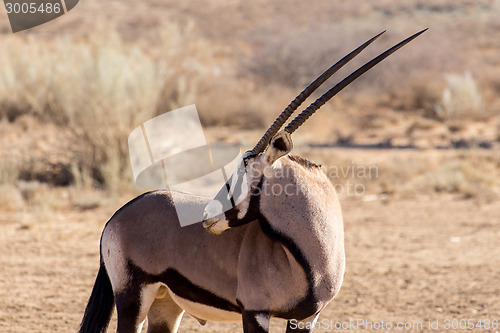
(281, 144)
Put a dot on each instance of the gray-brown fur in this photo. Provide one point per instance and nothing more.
(288, 263)
(283, 258)
(297, 250)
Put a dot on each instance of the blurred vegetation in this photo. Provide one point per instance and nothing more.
(95, 89)
(77, 93)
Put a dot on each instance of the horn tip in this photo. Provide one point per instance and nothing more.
(422, 31)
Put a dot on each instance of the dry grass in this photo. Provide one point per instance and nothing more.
(93, 86)
(411, 174)
(461, 97)
(99, 88)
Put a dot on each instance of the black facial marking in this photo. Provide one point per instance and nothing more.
(181, 286)
(253, 211)
(248, 158)
(228, 188)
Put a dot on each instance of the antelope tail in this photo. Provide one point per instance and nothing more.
(100, 306)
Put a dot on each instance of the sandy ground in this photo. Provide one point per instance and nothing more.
(407, 261)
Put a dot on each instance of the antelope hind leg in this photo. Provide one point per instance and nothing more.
(133, 304)
(165, 315)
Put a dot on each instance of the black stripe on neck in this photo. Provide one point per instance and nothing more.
(253, 211)
(308, 305)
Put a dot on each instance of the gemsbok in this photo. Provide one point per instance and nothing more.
(279, 252)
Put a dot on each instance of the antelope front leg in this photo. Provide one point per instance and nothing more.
(255, 322)
(302, 326)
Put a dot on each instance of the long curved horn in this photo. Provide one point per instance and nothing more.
(309, 111)
(290, 109)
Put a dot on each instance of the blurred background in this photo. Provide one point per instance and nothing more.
(426, 119)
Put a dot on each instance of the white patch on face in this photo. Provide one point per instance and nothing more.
(213, 218)
(239, 185)
(213, 209)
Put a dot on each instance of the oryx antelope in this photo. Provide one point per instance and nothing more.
(279, 253)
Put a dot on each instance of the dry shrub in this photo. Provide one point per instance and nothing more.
(407, 80)
(295, 58)
(458, 176)
(100, 87)
(42, 201)
(9, 170)
(409, 174)
(472, 175)
(461, 97)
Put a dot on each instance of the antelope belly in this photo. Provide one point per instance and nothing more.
(205, 312)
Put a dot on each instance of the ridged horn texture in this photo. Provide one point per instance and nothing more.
(309, 111)
(292, 107)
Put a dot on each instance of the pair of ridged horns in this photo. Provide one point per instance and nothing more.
(311, 109)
